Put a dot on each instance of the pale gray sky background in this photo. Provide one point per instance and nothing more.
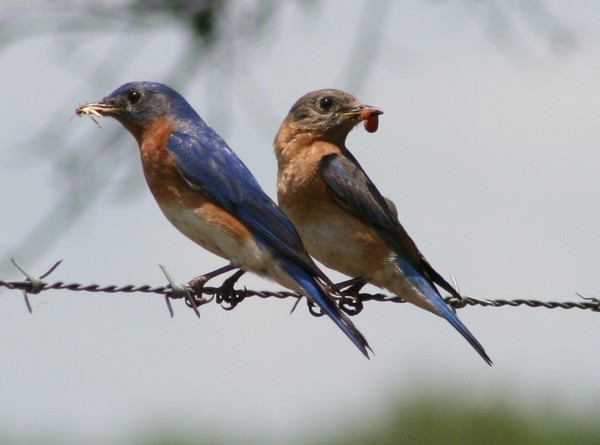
(489, 148)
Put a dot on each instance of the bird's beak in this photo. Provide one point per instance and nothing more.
(363, 113)
(100, 108)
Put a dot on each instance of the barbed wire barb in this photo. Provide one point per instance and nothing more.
(295, 305)
(35, 284)
(595, 301)
(177, 291)
(349, 300)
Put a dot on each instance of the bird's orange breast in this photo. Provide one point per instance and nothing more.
(177, 198)
(332, 234)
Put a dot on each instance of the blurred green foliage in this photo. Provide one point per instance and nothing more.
(415, 420)
(427, 420)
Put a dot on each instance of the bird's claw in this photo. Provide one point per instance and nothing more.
(226, 294)
(314, 309)
(351, 288)
(196, 288)
(351, 304)
(196, 285)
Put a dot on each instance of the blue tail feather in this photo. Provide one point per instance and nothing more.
(433, 296)
(327, 305)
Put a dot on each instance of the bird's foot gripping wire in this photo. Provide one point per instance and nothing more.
(226, 294)
(196, 285)
(350, 301)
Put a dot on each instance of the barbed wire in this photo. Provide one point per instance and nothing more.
(349, 301)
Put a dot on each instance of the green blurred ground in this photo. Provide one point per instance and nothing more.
(413, 420)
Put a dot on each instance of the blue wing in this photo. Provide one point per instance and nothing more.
(209, 165)
(354, 191)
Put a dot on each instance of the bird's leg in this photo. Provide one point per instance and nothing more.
(226, 292)
(196, 285)
(352, 286)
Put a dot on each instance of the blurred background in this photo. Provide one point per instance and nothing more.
(488, 146)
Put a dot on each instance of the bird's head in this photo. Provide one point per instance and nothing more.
(138, 105)
(329, 113)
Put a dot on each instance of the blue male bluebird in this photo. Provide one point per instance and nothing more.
(207, 193)
(344, 221)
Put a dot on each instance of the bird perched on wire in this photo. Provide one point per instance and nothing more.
(207, 193)
(344, 221)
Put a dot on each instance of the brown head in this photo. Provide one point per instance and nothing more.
(327, 115)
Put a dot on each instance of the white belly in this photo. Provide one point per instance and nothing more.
(247, 254)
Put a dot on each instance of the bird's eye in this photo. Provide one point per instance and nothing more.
(134, 97)
(325, 103)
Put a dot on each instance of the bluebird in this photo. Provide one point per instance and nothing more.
(343, 220)
(207, 193)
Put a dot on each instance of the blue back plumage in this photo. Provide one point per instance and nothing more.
(208, 165)
(353, 189)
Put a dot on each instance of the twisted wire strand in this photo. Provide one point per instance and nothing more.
(229, 298)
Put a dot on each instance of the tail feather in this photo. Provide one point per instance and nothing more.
(428, 290)
(314, 291)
